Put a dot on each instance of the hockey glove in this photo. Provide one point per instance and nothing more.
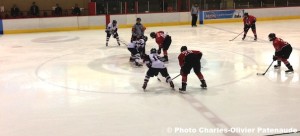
(274, 58)
(148, 65)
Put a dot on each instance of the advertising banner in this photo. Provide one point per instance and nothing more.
(220, 14)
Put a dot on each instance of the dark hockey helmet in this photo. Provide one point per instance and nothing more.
(145, 38)
(114, 22)
(152, 35)
(272, 36)
(183, 48)
(138, 19)
(246, 14)
(153, 50)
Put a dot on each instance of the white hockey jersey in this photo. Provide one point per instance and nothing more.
(112, 28)
(154, 61)
(137, 44)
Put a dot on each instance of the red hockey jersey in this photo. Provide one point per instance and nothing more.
(183, 54)
(249, 20)
(279, 44)
(160, 37)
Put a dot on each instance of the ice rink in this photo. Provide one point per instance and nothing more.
(70, 84)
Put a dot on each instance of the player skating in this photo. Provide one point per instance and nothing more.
(155, 67)
(189, 59)
(283, 51)
(112, 29)
(164, 41)
(249, 22)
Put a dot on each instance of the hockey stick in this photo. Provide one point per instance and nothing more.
(236, 36)
(158, 78)
(239, 35)
(170, 80)
(266, 70)
(122, 41)
(175, 77)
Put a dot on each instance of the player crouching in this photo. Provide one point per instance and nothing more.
(164, 41)
(189, 59)
(283, 51)
(136, 48)
(155, 66)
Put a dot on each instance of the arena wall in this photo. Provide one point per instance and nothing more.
(127, 20)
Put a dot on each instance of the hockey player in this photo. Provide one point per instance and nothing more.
(135, 48)
(283, 51)
(142, 44)
(155, 66)
(164, 41)
(138, 30)
(249, 22)
(112, 29)
(189, 59)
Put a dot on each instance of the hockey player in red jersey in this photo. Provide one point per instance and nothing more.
(164, 41)
(155, 67)
(189, 59)
(249, 22)
(283, 51)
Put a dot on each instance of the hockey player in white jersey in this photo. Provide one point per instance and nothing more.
(135, 48)
(155, 67)
(112, 29)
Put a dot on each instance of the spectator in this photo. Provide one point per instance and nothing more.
(15, 11)
(76, 10)
(58, 10)
(34, 9)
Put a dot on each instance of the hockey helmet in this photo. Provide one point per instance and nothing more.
(183, 48)
(114, 22)
(272, 36)
(138, 19)
(152, 35)
(145, 38)
(153, 50)
(246, 14)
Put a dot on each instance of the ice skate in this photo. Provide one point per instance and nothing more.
(290, 69)
(203, 84)
(183, 88)
(172, 84)
(144, 86)
(278, 65)
(244, 37)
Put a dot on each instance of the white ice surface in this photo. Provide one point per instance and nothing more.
(70, 84)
